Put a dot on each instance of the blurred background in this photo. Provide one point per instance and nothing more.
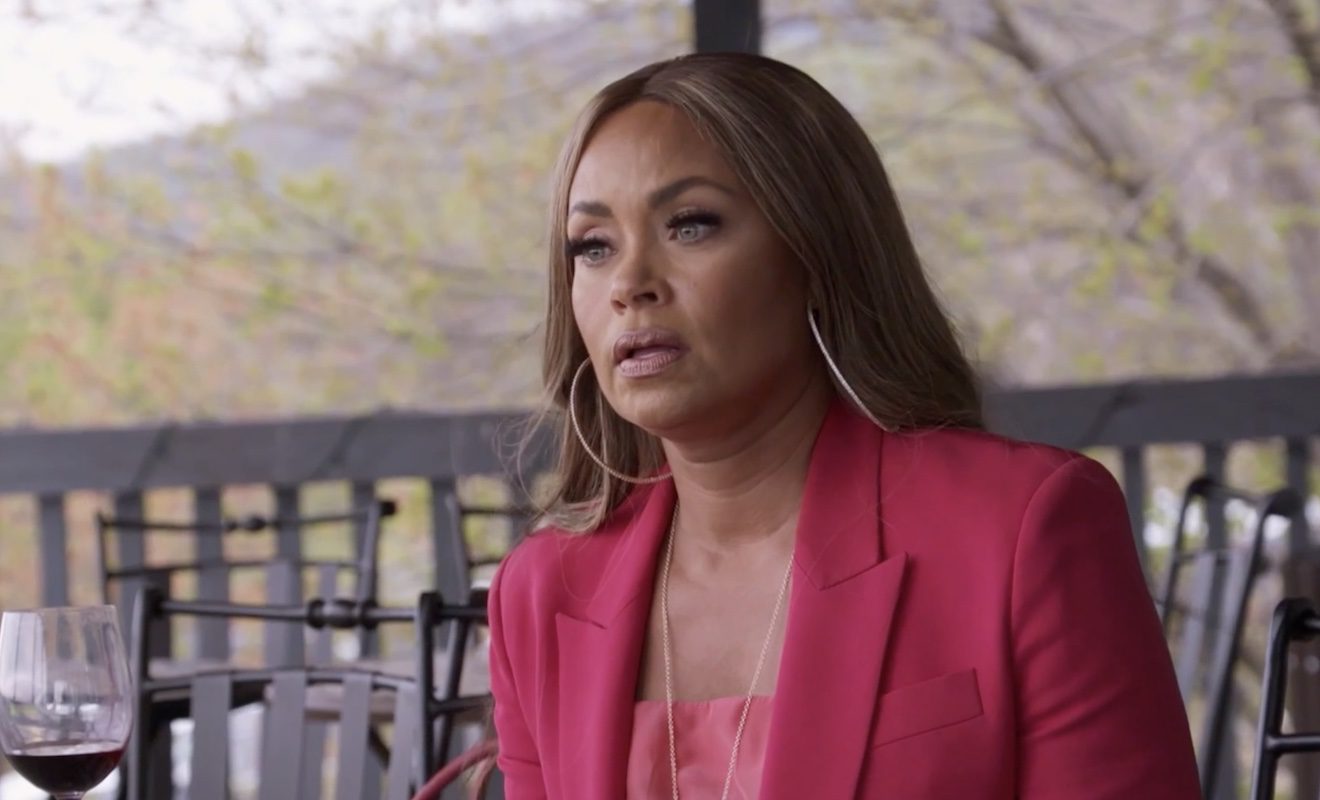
(227, 213)
(247, 208)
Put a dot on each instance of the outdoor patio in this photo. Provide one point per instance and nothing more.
(460, 496)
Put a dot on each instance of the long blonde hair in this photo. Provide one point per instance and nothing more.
(819, 181)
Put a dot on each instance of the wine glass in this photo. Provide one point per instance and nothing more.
(66, 701)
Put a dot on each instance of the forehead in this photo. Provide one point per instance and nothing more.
(640, 147)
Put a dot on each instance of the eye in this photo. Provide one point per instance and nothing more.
(588, 250)
(692, 226)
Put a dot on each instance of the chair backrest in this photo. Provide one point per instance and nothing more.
(214, 571)
(456, 636)
(282, 772)
(462, 578)
(502, 525)
(289, 767)
(1295, 619)
(1203, 604)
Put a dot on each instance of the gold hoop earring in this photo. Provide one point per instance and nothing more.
(838, 374)
(577, 428)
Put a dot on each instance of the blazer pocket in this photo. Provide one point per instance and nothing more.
(925, 706)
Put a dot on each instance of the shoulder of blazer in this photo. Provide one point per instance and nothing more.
(955, 501)
(971, 461)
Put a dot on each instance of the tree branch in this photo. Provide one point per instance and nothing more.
(1125, 171)
(1305, 43)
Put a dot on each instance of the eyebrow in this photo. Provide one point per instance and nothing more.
(657, 198)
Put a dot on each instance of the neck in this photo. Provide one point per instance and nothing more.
(743, 490)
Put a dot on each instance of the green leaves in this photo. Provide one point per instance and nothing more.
(380, 232)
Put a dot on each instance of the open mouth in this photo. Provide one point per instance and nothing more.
(655, 351)
(646, 361)
(643, 352)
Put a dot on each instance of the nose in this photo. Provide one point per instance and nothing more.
(637, 284)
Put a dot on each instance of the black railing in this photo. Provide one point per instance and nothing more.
(206, 458)
(1213, 415)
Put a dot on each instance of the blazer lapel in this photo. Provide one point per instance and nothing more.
(845, 592)
(600, 655)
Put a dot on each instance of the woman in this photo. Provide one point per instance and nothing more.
(784, 561)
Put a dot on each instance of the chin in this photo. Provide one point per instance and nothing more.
(661, 410)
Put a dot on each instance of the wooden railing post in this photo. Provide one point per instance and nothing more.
(1135, 491)
(1214, 459)
(1301, 578)
(363, 495)
(212, 583)
(284, 642)
(52, 543)
(727, 26)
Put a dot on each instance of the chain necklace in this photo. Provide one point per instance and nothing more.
(669, 669)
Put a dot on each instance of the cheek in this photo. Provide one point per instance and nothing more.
(765, 326)
(754, 302)
(587, 312)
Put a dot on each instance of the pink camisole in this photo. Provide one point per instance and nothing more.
(703, 733)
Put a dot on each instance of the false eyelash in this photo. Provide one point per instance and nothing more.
(576, 247)
(694, 216)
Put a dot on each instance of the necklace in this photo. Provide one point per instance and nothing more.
(669, 669)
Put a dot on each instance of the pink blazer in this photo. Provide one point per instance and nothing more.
(968, 619)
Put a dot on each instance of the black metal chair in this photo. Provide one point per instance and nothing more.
(1203, 617)
(286, 773)
(1295, 619)
(284, 578)
(463, 577)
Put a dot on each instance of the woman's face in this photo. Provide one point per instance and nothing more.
(691, 306)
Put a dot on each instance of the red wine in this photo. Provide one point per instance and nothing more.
(65, 768)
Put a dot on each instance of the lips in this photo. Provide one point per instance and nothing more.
(646, 351)
(645, 341)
